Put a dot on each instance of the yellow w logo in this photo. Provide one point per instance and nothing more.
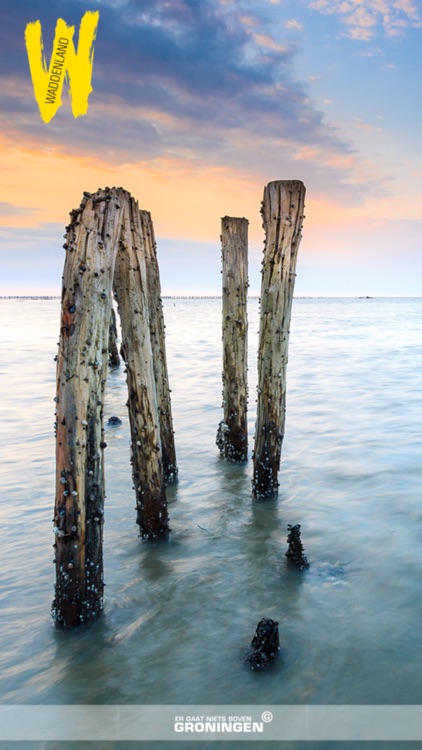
(65, 62)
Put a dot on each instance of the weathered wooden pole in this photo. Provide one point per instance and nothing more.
(104, 221)
(81, 375)
(113, 352)
(282, 212)
(131, 291)
(156, 322)
(232, 433)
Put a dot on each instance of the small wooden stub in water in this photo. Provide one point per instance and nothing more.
(296, 549)
(282, 213)
(265, 645)
(232, 433)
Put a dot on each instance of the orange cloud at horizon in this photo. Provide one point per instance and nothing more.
(186, 198)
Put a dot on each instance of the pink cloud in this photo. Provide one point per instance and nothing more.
(267, 41)
(363, 17)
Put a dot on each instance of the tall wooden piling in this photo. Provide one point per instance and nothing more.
(232, 433)
(131, 290)
(81, 375)
(282, 212)
(156, 322)
(102, 224)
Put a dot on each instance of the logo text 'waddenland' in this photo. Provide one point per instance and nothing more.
(65, 62)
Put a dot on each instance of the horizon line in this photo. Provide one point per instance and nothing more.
(251, 296)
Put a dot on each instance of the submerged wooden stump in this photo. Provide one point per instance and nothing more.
(105, 222)
(265, 645)
(296, 549)
(282, 212)
(232, 433)
(156, 322)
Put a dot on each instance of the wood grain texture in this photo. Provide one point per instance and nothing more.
(282, 213)
(157, 333)
(131, 291)
(232, 433)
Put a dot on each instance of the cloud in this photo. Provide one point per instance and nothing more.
(249, 20)
(360, 125)
(362, 18)
(9, 209)
(206, 84)
(293, 24)
(197, 63)
(31, 260)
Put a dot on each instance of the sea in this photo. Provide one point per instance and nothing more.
(179, 616)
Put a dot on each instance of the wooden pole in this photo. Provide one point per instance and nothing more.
(104, 221)
(131, 290)
(113, 352)
(156, 322)
(282, 212)
(232, 433)
(81, 375)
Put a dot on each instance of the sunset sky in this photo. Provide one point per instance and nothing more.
(197, 104)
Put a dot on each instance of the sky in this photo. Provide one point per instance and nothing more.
(196, 106)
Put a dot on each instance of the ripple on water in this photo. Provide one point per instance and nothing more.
(179, 616)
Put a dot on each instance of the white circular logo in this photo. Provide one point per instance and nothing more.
(267, 716)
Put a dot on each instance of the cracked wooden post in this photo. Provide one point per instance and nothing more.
(282, 212)
(105, 221)
(232, 433)
(156, 321)
(131, 290)
(113, 352)
(81, 374)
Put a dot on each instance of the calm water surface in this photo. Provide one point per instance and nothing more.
(179, 616)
